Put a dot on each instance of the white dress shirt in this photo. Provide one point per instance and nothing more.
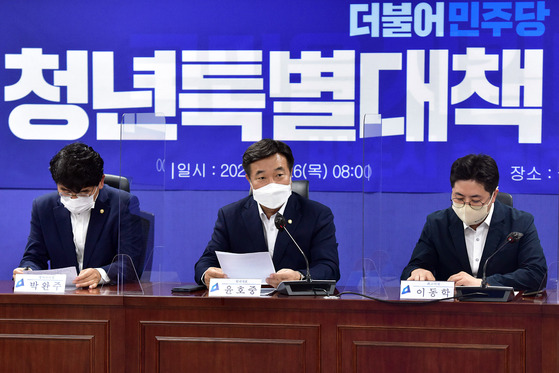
(269, 226)
(475, 241)
(80, 224)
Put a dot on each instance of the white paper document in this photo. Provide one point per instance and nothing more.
(249, 265)
(70, 273)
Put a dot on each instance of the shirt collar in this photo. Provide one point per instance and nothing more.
(262, 214)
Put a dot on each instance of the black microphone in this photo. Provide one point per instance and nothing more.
(511, 238)
(486, 293)
(280, 225)
(307, 286)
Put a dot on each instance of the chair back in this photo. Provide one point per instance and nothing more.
(505, 198)
(301, 187)
(148, 223)
(119, 182)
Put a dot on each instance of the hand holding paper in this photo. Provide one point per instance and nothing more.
(250, 265)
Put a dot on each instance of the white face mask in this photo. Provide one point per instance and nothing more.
(273, 195)
(79, 204)
(470, 216)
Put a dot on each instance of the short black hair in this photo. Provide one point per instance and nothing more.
(264, 149)
(478, 167)
(77, 166)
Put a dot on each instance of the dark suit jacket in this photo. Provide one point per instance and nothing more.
(239, 230)
(441, 249)
(51, 238)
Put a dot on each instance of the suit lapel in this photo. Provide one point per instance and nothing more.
(97, 220)
(496, 233)
(64, 227)
(456, 229)
(253, 226)
(292, 214)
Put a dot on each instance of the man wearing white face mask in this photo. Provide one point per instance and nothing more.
(456, 242)
(248, 225)
(84, 223)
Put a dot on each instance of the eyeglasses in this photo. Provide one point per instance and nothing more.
(474, 204)
(80, 194)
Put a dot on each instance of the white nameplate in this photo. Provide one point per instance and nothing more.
(230, 287)
(426, 289)
(36, 283)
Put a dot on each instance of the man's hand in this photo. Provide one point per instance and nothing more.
(88, 278)
(213, 272)
(19, 270)
(464, 279)
(420, 274)
(284, 274)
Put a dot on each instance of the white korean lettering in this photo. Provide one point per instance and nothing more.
(104, 95)
(371, 66)
(435, 92)
(530, 78)
(20, 122)
(31, 62)
(475, 63)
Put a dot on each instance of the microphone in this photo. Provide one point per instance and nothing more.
(485, 293)
(511, 238)
(279, 221)
(308, 286)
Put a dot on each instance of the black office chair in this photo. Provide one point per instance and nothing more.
(301, 187)
(148, 224)
(504, 198)
(119, 182)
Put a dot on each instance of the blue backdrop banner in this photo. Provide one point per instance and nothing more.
(182, 87)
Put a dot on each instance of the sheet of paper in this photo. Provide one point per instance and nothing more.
(249, 265)
(70, 273)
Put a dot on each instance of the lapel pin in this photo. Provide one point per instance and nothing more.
(289, 221)
(102, 211)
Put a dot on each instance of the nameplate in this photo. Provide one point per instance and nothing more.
(423, 290)
(229, 287)
(34, 283)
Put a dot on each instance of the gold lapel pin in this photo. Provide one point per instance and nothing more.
(289, 221)
(102, 211)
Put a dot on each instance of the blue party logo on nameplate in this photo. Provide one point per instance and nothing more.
(20, 283)
(215, 287)
(406, 290)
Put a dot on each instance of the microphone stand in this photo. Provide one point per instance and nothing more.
(485, 293)
(307, 286)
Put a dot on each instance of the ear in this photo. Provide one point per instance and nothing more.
(495, 195)
(102, 182)
(248, 179)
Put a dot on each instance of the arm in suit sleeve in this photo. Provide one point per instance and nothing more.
(218, 242)
(424, 254)
(323, 260)
(36, 254)
(528, 258)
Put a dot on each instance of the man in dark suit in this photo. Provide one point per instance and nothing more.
(456, 242)
(82, 223)
(248, 225)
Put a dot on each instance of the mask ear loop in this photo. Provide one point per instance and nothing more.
(496, 190)
(96, 190)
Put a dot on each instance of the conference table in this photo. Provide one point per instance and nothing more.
(154, 330)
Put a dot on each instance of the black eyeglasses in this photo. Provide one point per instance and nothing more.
(476, 205)
(80, 194)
